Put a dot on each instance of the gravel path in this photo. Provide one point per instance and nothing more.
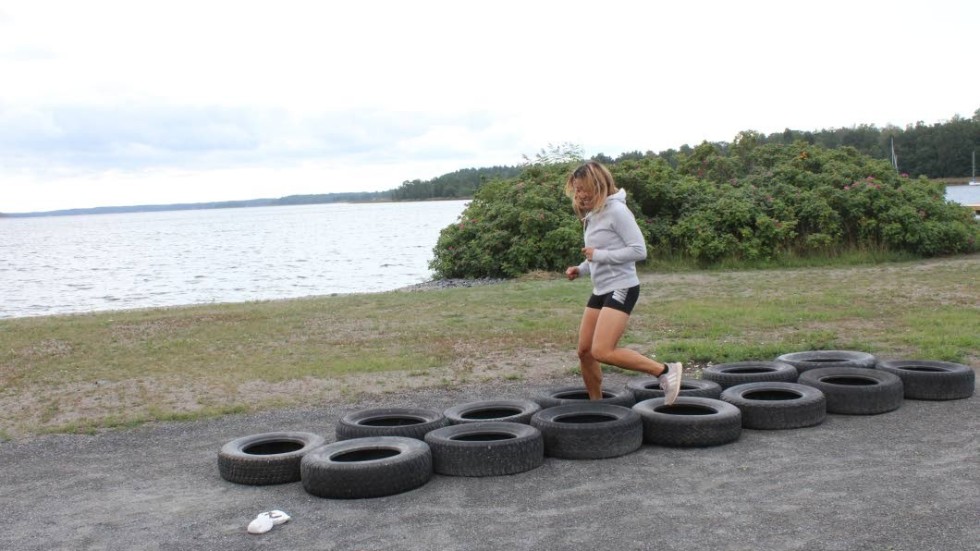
(451, 283)
(905, 480)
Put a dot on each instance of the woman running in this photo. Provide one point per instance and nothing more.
(613, 245)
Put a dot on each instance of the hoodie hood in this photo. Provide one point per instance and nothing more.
(618, 196)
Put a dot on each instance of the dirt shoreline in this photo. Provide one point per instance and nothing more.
(905, 480)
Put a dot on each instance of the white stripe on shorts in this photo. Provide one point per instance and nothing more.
(619, 295)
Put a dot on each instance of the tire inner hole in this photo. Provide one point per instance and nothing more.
(585, 418)
(772, 395)
(483, 437)
(392, 421)
(272, 448)
(685, 409)
(579, 395)
(490, 413)
(849, 381)
(372, 454)
(749, 370)
(923, 368)
(655, 385)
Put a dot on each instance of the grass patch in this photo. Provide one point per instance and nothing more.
(117, 369)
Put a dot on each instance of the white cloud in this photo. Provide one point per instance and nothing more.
(104, 101)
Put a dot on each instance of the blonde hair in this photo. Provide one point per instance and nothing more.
(594, 179)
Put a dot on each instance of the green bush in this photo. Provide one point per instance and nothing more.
(746, 204)
(510, 228)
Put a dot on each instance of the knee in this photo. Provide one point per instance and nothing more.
(585, 353)
(601, 354)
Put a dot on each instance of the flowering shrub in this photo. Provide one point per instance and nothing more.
(510, 228)
(753, 202)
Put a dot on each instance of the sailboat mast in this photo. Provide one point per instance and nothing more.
(973, 179)
(894, 157)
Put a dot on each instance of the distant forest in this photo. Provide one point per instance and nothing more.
(937, 151)
(455, 185)
(288, 200)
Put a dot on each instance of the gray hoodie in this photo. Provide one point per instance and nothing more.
(618, 244)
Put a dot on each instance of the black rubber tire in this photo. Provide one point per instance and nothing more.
(367, 467)
(266, 458)
(510, 411)
(589, 430)
(932, 380)
(489, 448)
(649, 387)
(407, 422)
(776, 405)
(816, 359)
(737, 373)
(689, 422)
(567, 395)
(856, 390)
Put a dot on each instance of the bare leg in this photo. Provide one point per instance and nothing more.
(591, 371)
(609, 328)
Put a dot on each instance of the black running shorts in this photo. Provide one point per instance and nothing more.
(621, 299)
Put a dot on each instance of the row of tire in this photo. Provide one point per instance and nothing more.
(384, 451)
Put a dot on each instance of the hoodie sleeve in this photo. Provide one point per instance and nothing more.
(635, 247)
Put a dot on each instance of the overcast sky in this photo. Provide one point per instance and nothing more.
(145, 102)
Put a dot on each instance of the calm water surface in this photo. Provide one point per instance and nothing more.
(71, 264)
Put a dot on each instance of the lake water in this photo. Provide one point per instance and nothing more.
(72, 264)
(967, 195)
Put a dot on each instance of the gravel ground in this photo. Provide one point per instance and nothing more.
(904, 480)
(451, 283)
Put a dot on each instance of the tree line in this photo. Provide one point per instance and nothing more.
(938, 151)
(314, 199)
(941, 150)
(455, 185)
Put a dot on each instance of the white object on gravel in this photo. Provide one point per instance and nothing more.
(260, 525)
(277, 517)
(265, 521)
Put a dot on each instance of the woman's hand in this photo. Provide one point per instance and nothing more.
(588, 251)
(571, 273)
